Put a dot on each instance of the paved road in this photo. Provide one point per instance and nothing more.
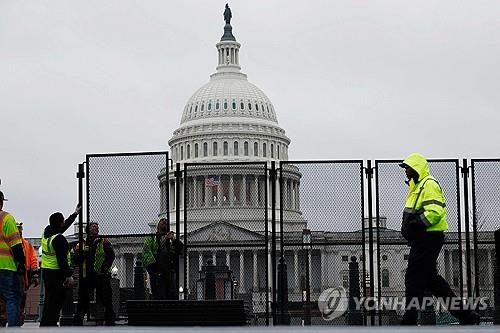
(316, 329)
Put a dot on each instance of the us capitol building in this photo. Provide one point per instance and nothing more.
(230, 119)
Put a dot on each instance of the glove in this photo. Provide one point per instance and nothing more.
(412, 228)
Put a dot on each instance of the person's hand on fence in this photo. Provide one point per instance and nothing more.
(78, 209)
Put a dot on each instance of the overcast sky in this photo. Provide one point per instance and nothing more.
(348, 79)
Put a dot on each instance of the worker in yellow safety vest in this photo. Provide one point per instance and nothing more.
(97, 256)
(12, 265)
(56, 271)
(423, 226)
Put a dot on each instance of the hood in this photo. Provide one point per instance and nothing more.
(418, 163)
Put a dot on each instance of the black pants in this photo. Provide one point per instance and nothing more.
(163, 285)
(104, 295)
(55, 293)
(422, 276)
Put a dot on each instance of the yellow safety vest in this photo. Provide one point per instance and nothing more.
(49, 258)
(9, 237)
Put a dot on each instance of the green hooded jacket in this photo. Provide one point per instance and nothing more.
(425, 198)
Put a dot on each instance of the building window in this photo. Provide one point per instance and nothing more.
(202, 106)
(249, 106)
(235, 148)
(205, 149)
(256, 107)
(196, 108)
(272, 150)
(264, 147)
(385, 278)
(188, 151)
(217, 105)
(242, 106)
(278, 151)
(191, 109)
(182, 152)
(195, 150)
(214, 149)
(225, 105)
(234, 105)
(209, 106)
(245, 148)
(255, 149)
(225, 148)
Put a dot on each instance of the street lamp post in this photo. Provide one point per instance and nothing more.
(306, 247)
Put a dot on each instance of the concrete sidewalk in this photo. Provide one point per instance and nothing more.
(263, 329)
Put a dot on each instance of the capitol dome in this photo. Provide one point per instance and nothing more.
(229, 95)
(227, 138)
(229, 118)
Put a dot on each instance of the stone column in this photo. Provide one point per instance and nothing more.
(298, 196)
(292, 194)
(214, 257)
(219, 193)
(228, 258)
(231, 190)
(208, 194)
(296, 270)
(255, 196)
(288, 194)
(242, 269)
(255, 268)
(194, 199)
(243, 193)
(200, 260)
(172, 194)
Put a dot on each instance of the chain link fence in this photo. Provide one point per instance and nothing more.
(486, 219)
(127, 195)
(320, 233)
(226, 224)
(391, 248)
(284, 250)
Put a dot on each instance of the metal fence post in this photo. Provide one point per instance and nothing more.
(272, 178)
(496, 315)
(178, 177)
(80, 175)
(465, 175)
(369, 176)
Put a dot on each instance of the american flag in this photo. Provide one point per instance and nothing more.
(212, 181)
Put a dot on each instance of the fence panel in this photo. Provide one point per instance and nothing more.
(321, 231)
(127, 194)
(486, 219)
(225, 223)
(391, 248)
